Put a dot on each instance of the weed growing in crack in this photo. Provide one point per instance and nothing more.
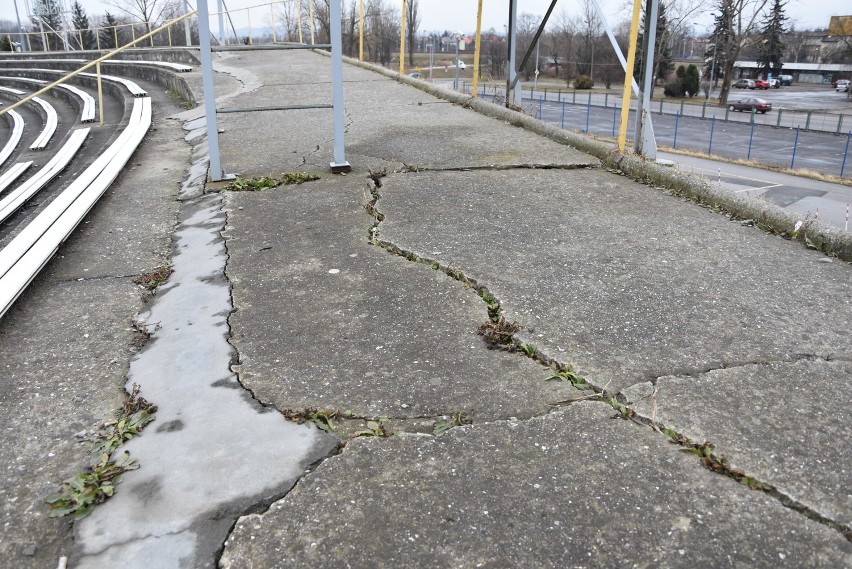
(530, 350)
(83, 491)
(376, 428)
(498, 334)
(568, 375)
(321, 418)
(377, 175)
(457, 419)
(153, 279)
(711, 461)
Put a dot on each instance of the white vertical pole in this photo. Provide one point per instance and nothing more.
(513, 38)
(203, 15)
(186, 24)
(340, 164)
(221, 8)
(644, 142)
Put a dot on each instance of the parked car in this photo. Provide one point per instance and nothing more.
(775, 83)
(841, 85)
(761, 84)
(752, 103)
(744, 84)
(785, 80)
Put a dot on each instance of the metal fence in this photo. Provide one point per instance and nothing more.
(794, 140)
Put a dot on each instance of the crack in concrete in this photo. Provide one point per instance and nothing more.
(99, 278)
(407, 168)
(615, 400)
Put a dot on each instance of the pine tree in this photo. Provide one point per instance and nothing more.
(717, 50)
(692, 82)
(662, 51)
(83, 33)
(108, 33)
(46, 14)
(770, 43)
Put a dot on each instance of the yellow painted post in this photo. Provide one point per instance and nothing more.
(476, 49)
(361, 33)
(299, 18)
(98, 38)
(80, 35)
(312, 22)
(272, 20)
(150, 38)
(132, 33)
(248, 15)
(100, 93)
(115, 35)
(628, 76)
(402, 39)
(170, 37)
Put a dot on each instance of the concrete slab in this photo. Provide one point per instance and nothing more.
(324, 319)
(64, 351)
(127, 233)
(399, 127)
(782, 423)
(178, 507)
(620, 280)
(574, 488)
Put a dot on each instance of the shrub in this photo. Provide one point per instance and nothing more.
(583, 82)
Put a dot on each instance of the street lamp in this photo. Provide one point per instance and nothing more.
(713, 64)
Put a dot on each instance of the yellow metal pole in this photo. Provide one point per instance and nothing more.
(476, 49)
(402, 39)
(170, 37)
(115, 34)
(248, 15)
(80, 34)
(628, 75)
(100, 93)
(312, 22)
(98, 37)
(361, 33)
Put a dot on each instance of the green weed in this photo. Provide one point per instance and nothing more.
(455, 420)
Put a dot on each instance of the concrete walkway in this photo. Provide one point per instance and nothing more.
(363, 295)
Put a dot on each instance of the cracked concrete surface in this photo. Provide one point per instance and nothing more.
(625, 283)
(176, 510)
(797, 451)
(572, 489)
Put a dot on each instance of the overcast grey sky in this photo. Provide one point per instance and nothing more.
(460, 15)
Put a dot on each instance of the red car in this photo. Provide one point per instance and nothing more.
(761, 84)
(752, 103)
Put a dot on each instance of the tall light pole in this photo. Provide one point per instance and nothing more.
(20, 27)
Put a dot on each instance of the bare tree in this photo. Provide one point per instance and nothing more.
(412, 23)
(741, 16)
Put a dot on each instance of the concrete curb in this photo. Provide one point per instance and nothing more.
(767, 216)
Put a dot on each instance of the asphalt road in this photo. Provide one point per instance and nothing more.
(828, 202)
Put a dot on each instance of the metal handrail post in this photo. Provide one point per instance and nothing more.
(206, 53)
(340, 165)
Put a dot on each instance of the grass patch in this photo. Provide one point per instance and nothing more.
(82, 492)
(457, 419)
(153, 279)
(499, 333)
(377, 428)
(265, 182)
(323, 419)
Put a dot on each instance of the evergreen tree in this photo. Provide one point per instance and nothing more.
(717, 50)
(46, 14)
(770, 43)
(83, 33)
(662, 51)
(692, 81)
(108, 34)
